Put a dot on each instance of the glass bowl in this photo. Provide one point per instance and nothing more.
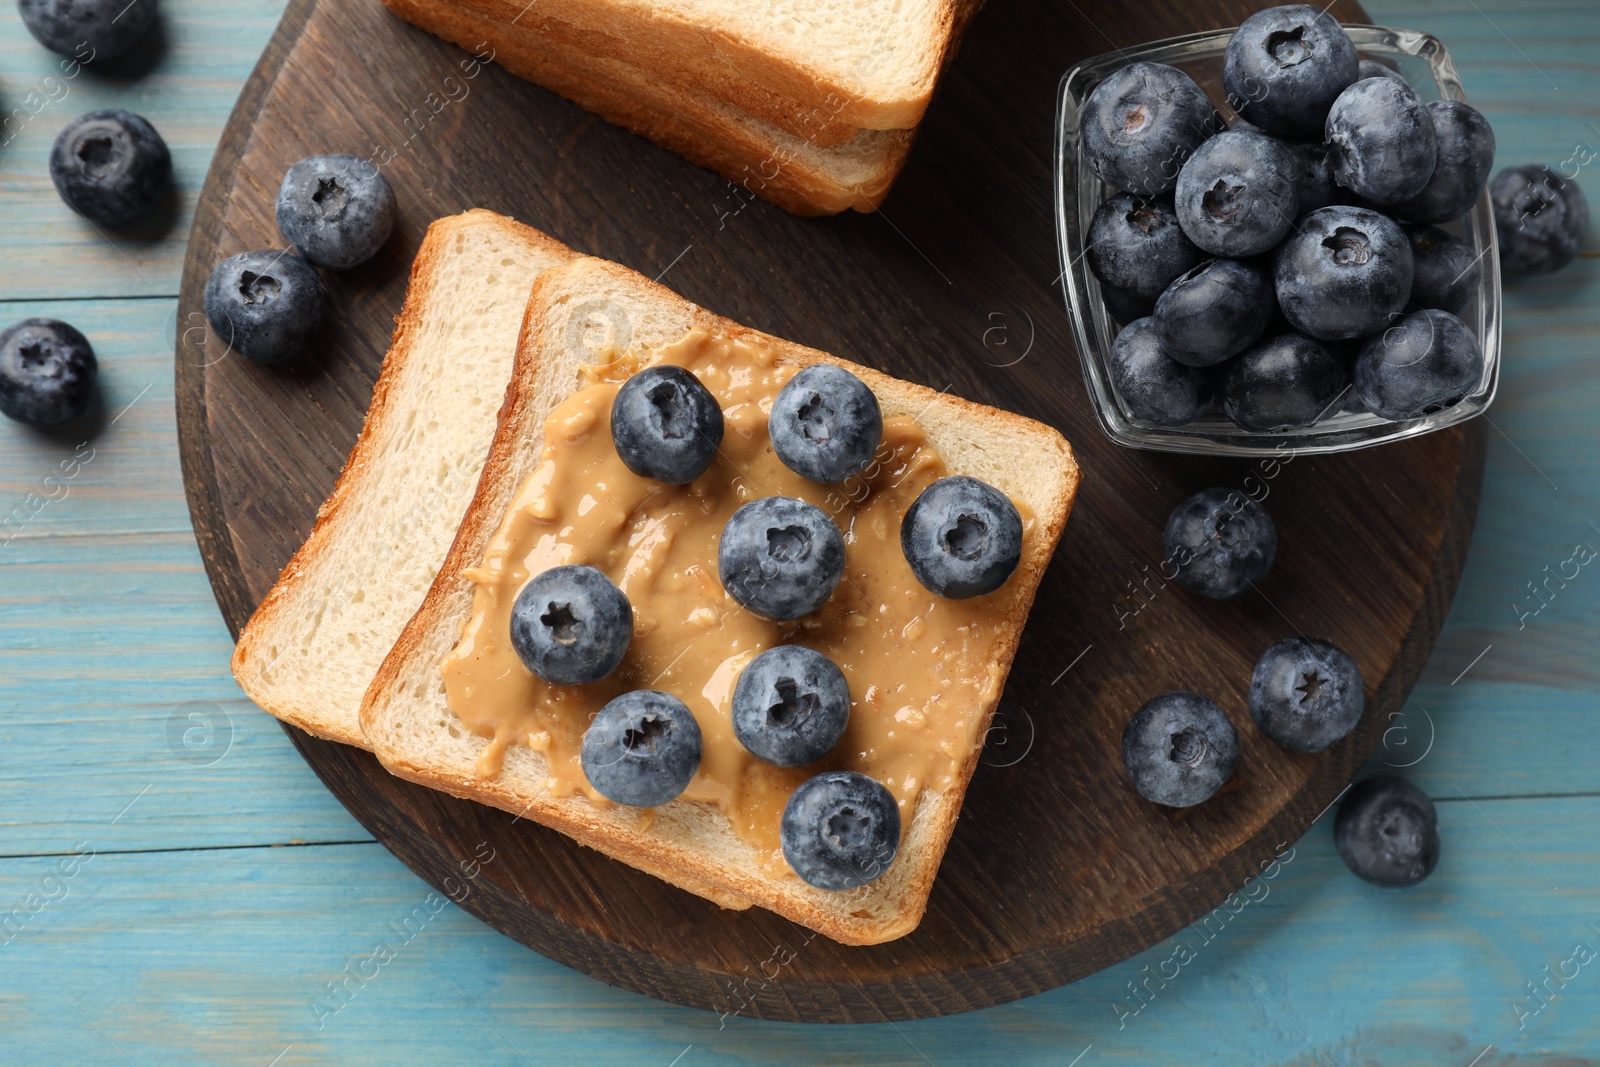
(1425, 63)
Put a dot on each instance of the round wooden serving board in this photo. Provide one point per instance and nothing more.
(1057, 868)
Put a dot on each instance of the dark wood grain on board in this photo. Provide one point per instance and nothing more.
(1057, 868)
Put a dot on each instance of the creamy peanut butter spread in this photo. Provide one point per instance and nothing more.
(920, 667)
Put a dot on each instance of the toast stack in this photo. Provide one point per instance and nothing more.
(813, 108)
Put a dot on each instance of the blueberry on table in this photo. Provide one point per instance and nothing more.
(1446, 273)
(111, 167)
(825, 424)
(1237, 195)
(265, 304)
(1371, 68)
(1136, 245)
(571, 625)
(87, 30)
(1381, 141)
(1344, 273)
(337, 210)
(1305, 694)
(1285, 66)
(1141, 123)
(840, 830)
(1179, 749)
(1219, 542)
(1387, 832)
(1214, 312)
(1425, 363)
(1540, 218)
(962, 537)
(780, 557)
(1314, 180)
(790, 706)
(47, 372)
(1151, 384)
(642, 749)
(1465, 144)
(666, 425)
(1284, 383)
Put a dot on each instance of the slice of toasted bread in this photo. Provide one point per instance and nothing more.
(314, 643)
(790, 171)
(586, 311)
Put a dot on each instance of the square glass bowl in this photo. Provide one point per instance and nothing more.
(1425, 63)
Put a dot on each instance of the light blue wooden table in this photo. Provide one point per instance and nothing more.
(176, 887)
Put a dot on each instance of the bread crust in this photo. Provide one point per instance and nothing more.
(693, 848)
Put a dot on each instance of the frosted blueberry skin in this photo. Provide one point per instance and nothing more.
(791, 705)
(642, 749)
(780, 557)
(1150, 383)
(825, 424)
(1314, 179)
(1179, 749)
(1426, 362)
(1346, 272)
(1137, 246)
(962, 537)
(111, 167)
(88, 30)
(1446, 272)
(1305, 694)
(1214, 312)
(1219, 542)
(840, 830)
(1387, 832)
(1285, 66)
(1381, 141)
(571, 625)
(1540, 218)
(47, 372)
(1237, 195)
(337, 210)
(265, 304)
(1286, 382)
(1465, 155)
(1141, 123)
(665, 425)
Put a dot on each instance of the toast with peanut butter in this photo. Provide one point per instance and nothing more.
(312, 647)
(453, 706)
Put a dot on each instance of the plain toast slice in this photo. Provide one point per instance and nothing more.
(588, 311)
(313, 645)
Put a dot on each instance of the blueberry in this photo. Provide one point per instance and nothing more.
(47, 372)
(642, 749)
(1387, 831)
(1286, 382)
(1213, 312)
(1305, 694)
(1237, 194)
(1124, 306)
(1220, 542)
(1314, 179)
(1381, 140)
(1178, 749)
(1137, 246)
(1285, 66)
(1345, 272)
(571, 625)
(111, 167)
(1141, 123)
(336, 210)
(265, 304)
(87, 30)
(840, 830)
(790, 706)
(780, 557)
(1540, 218)
(1151, 384)
(666, 425)
(1446, 272)
(1371, 68)
(962, 537)
(1425, 363)
(825, 424)
(1465, 155)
